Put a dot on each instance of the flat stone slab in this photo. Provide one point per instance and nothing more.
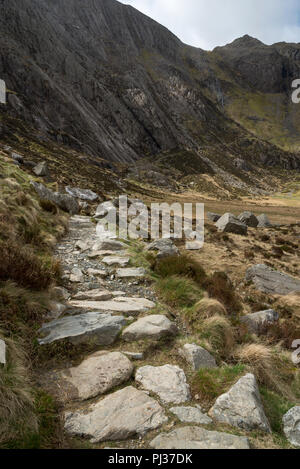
(241, 406)
(168, 382)
(116, 260)
(95, 254)
(2, 352)
(124, 414)
(97, 273)
(153, 327)
(258, 322)
(94, 295)
(291, 426)
(96, 375)
(197, 357)
(272, 281)
(198, 438)
(191, 415)
(97, 328)
(131, 273)
(120, 304)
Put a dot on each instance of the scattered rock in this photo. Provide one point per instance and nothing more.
(63, 201)
(119, 416)
(198, 438)
(193, 245)
(263, 221)
(82, 246)
(116, 260)
(197, 357)
(228, 223)
(291, 426)
(131, 273)
(242, 407)
(271, 281)
(96, 328)
(76, 276)
(191, 415)
(82, 194)
(134, 355)
(94, 295)
(168, 382)
(258, 322)
(241, 164)
(214, 217)
(17, 157)
(165, 248)
(96, 375)
(118, 304)
(103, 209)
(109, 245)
(154, 326)
(41, 169)
(2, 352)
(249, 219)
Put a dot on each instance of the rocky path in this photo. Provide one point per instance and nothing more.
(108, 305)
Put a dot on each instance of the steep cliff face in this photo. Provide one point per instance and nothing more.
(107, 80)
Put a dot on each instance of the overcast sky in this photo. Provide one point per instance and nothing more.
(211, 23)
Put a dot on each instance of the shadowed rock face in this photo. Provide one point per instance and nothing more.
(109, 81)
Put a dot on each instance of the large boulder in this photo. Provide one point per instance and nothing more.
(249, 219)
(96, 375)
(168, 382)
(228, 223)
(241, 406)
(271, 281)
(64, 201)
(263, 221)
(198, 438)
(291, 426)
(213, 216)
(149, 327)
(119, 416)
(82, 194)
(259, 322)
(96, 328)
(197, 357)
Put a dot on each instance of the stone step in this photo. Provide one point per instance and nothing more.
(118, 304)
(93, 327)
(131, 273)
(116, 261)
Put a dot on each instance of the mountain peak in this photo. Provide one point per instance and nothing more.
(245, 41)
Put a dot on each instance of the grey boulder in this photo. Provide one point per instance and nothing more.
(241, 406)
(82, 194)
(291, 426)
(149, 327)
(97, 328)
(64, 201)
(271, 281)
(259, 322)
(41, 169)
(198, 438)
(263, 221)
(191, 415)
(119, 416)
(228, 223)
(249, 219)
(197, 357)
(214, 217)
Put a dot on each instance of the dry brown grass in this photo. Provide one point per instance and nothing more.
(218, 331)
(219, 286)
(17, 410)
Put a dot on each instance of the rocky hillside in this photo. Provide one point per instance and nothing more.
(109, 81)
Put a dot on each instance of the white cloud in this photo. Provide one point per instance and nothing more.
(211, 23)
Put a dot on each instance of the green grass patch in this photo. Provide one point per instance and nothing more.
(178, 292)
